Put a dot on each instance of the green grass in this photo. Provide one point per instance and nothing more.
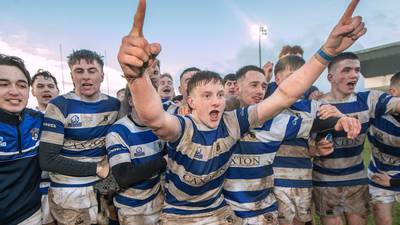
(396, 211)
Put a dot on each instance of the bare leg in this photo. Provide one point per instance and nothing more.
(356, 219)
(382, 213)
(331, 220)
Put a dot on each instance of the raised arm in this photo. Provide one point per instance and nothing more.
(134, 56)
(343, 35)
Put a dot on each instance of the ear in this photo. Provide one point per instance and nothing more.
(190, 102)
(33, 92)
(330, 77)
(130, 102)
(277, 80)
(395, 92)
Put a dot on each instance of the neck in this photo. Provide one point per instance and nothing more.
(135, 117)
(42, 107)
(337, 94)
(89, 98)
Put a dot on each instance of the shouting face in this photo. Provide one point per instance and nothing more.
(208, 103)
(344, 76)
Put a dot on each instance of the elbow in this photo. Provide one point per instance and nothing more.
(121, 182)
(44, 164)
(153, 122)
(287, 94)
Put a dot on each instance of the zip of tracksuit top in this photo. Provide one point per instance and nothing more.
(19, 166)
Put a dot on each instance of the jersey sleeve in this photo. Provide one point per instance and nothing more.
(117, 149)
(381, 103)
(53, 125)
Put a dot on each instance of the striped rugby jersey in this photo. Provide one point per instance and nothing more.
(345, 167)
(199, 159)
(129, 142)
(80, 127)
(250, 177)
(384, 139)
(293, 154)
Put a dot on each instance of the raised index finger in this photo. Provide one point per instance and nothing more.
(349, 12)
(137, 28)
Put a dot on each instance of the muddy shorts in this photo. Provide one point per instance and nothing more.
(270, 218)
(222, 216)
(380, 195)
(73, 206)
(293, 203)
(334, 201)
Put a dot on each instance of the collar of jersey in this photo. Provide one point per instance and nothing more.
(12, 119)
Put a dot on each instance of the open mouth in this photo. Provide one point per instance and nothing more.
(166, 90)
(214, 115)
(47, 96)
(352, 84)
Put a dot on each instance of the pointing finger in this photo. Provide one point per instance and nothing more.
(346, 17)
(137, 28)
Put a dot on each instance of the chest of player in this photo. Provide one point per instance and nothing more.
(88, 126)
(19, 141)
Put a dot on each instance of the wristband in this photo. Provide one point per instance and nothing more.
(325, 55)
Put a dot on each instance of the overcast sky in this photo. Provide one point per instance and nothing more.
(209, 34)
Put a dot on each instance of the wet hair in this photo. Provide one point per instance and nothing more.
(342, 56)
(229, 77)
(85, 54)
(291, 50)
(187, 70)
(242, 71)
(290, 62)
(46, 75)
(202, 78)
(395, 80)
(17, 62)
(166, 75)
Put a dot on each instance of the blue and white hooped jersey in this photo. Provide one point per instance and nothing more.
(128, 142)
(384, 139)
(80, 127)
(293, 154)
(250, 178)
(199, 159)
(345, 167)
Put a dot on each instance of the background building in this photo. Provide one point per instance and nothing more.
(378, 64)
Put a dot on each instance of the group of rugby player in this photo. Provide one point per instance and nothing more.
(238, 150)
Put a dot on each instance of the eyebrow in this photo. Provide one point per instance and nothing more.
(7, 80)
(23, 81)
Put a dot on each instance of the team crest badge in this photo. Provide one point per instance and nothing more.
(35, 134)
(139, 152)
(75, 121)
(2, 142)
(199, 153)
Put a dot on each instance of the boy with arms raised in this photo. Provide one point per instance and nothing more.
(199, 145)
(250, 177)
(339, 179)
